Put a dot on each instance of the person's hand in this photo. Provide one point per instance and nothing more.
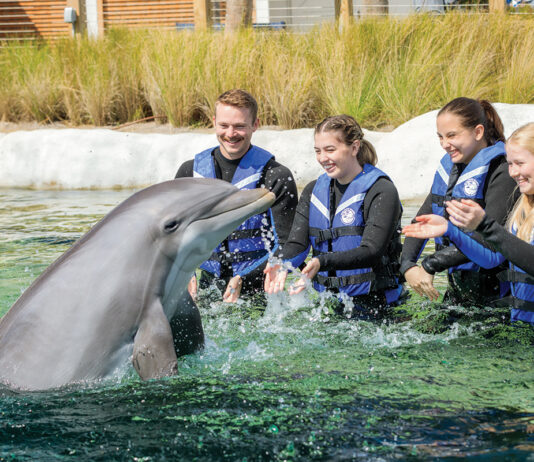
(192, 288)
(427, 226)
(466, 214)
(308, 273)
(422, 282)
(233, 290)
(275, 278)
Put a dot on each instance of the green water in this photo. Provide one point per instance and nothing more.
(293, 383)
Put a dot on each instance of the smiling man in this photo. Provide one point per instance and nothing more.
(236, 266)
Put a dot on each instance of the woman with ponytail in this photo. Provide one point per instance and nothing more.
(515, 242)
(350, 217)
(474, 167)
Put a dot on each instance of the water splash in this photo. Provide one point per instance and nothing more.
(293, 382)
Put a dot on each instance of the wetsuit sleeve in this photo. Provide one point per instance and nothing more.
(501, 195)
(499, 198)
(382, 212)
(519, 252)
(280, 181)
(412, 247)
(472, 249)
(185, 170)
(297, 246)
(443, 259)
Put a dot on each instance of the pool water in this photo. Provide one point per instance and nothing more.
(291, 381)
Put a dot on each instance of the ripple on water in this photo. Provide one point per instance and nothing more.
(289, 381)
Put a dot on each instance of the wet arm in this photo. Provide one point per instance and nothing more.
(499, 198)
(519, 252)
(280, 181)
(297, 246)
(185, 170)
(472, 249)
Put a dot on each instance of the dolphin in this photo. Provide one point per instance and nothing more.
(113, 293)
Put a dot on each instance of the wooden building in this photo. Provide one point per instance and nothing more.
(32, 19)
(44, 19)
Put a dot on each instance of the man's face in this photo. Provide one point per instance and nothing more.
(234, 128)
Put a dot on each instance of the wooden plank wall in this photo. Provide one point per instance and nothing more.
(162, 14)
(35, 19)
(32, 19)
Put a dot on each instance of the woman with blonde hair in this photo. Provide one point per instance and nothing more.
(514, 242)
(350, 217)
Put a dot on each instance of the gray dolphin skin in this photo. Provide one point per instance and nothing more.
(112, 294)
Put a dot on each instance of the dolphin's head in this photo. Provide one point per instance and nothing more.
(209, 210)
(194, 215)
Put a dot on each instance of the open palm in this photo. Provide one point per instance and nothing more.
(427, 226)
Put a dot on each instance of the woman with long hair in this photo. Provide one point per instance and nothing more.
(514, 242)
(473, 167)
(350, 217)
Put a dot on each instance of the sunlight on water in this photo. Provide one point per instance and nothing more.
(291, 380)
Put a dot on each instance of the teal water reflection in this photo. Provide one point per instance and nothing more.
(293, 383)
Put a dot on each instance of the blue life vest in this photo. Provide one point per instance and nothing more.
(522, 285)
(470, 185)
(249, 245)
(345, 233)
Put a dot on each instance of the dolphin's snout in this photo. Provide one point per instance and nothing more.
(253, 200)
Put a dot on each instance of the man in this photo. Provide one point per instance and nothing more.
(237, 264)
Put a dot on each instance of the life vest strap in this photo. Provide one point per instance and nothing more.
(238, 257)
(333, 233)
(438, 199)
(342, 281)
(515, 276)
(514, 302)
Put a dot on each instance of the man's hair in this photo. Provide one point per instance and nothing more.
(239, 98)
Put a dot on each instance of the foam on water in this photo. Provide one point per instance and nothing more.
(394, 336)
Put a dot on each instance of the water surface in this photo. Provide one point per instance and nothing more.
(293, 383)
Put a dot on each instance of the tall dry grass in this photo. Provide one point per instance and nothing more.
(382, 71)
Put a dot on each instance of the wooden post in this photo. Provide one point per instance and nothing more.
(345, 13)
(238, 14)
(202, 12)
(497, 6)
(100, 17)
(81, 19)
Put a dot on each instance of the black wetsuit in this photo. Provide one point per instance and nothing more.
(382, 213)
(276, 178)
(516, 250)
(477, 288)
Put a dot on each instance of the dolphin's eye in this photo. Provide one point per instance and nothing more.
(171, 226)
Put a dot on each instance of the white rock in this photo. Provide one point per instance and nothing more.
(98, 158)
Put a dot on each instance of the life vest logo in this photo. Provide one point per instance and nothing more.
(471, 187)
(348, 216)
